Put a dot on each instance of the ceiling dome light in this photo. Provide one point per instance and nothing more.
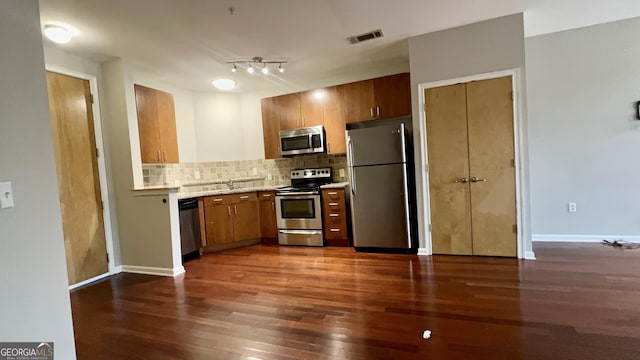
(265, 69)
(250, 69)
(224, 84)
(58, 34)
(280, 68)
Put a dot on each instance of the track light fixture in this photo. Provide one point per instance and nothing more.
(257, 60)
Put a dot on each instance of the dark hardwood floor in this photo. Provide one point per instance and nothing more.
(574, 302)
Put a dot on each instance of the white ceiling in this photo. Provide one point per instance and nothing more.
(187, 43)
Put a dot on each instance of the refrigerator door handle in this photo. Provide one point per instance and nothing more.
(352, 174)
(405, 177)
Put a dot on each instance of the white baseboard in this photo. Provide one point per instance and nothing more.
(583, 238)
(147, 270)
(529, 255)
(117, 269)
(89, 281)
(423, 252)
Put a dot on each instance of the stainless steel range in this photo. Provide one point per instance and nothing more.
(299, 208)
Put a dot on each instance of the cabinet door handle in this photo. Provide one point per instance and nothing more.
(371, 110)
(217, 200)
(333, 204)
(335, 230)
(229, 210)
(266, 195)
(235, 209)
(273, 207)
(244, 197)
(378, 111)
(334, 215)
(164, 156)
(332, 193)
(159, 160)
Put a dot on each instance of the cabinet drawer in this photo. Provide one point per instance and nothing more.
(266, 195)
(333, 195)
(218, 200)
(243, 197)
(335, 232)
(334, 207)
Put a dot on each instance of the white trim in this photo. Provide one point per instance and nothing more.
(147, 270)
(583, 238)
(423, 252)
(102, 167)
(117, 269)
(516, 82)
(89, 281)
(529, 255)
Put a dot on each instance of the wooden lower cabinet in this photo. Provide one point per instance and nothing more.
(231, 221)
(268, 224)
(335, 217)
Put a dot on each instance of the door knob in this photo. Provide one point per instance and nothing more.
(475, 180)
(463, 180)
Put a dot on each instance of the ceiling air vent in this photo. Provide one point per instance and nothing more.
(366, 36)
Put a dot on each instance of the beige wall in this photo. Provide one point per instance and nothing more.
(474, 49)
(34, 294)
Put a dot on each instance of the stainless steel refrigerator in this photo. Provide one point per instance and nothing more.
(382, 186)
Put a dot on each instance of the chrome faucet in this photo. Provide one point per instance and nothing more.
(229, 184)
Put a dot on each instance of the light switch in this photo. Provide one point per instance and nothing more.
(341, 173)
(6, 195)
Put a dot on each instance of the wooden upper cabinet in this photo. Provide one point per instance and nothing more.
(334, 120)
(156, 125)
(379, 98)
(271, 128)
(289, 111)
(392, 95)
(358, 101)
(312, 107)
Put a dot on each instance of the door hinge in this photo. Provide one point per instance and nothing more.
(102, 205)
(108, 258)
(430, 227)
(515, 228)
(512, 97)
(513, 163)
(424, 107)
(97, 152)
(91, 98)
(426, 167)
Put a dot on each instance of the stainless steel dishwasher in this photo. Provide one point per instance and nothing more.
(190, 239)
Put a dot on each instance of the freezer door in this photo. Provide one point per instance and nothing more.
(379, 206)
(376, 145)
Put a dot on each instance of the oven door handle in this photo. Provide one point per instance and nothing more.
(301, 232)
(298, 193)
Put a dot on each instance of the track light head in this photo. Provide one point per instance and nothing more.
(265, 69)
(280, 68)
(250, 69)
(235, 68)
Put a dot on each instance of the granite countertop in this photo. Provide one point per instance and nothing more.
(339, 185)
(228, 191)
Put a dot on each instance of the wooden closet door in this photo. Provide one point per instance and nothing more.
(446, 117)
(78, 178)
(491, 157)
(167, 127)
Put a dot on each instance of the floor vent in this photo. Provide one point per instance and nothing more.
(366, 36)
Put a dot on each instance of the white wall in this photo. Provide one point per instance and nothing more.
(480, 48)
(183, 101)
(583, 137)
(34, 300)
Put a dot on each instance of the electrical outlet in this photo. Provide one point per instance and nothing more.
(341, 173)
(255, 171)
(573, 207)
(269, 177)
(196, 174)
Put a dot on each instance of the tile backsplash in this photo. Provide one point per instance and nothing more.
(215, 175)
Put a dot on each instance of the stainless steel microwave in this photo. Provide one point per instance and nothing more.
(309, 140)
